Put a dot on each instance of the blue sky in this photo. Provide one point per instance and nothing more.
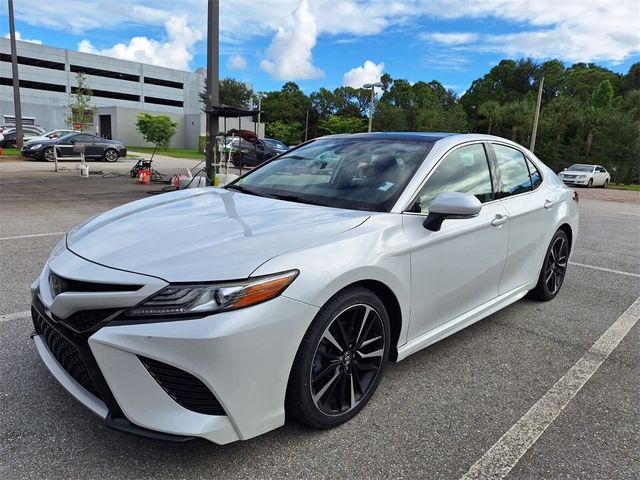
(329, 43)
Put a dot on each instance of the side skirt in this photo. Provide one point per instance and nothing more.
(463, 321)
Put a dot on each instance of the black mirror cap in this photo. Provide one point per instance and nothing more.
(434, 221)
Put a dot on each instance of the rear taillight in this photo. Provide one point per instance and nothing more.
(575, 196)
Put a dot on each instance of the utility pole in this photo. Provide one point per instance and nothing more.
(534, 132)
(259, 95)
(17, 112)
(372, 86)
(306, 126)
(213, 84)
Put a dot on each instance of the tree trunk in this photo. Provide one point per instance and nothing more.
(514, 132)
(589, 142)
(490, 125)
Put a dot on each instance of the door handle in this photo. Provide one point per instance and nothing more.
(548, 204)
(499, 220)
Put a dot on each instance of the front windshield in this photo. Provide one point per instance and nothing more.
(581, 168)
(67, 137)
(354, 173)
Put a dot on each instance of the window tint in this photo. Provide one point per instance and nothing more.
(84, 138)
(464, 170)
(513, 171)
(536, 178)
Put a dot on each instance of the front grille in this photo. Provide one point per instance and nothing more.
(67, 355)
(86, 319)
(61, 284)
(183, 387)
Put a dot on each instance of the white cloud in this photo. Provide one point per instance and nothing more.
(236, 62)
(572, 30)
(370, 72)
(175, 52)
(450, 38)
(289, 56)
(19, 37)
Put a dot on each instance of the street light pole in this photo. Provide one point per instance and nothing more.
(372, 86)
(213, 87)
(17, 112)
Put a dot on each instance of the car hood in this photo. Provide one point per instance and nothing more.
(205, 234)
(574, 172)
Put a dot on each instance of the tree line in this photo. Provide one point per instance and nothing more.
(589, 114)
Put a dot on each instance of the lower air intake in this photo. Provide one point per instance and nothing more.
(184, 388)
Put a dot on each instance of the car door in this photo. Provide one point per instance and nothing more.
(64, 145)
(91, 146)
(602, 176)
(531, 208)
(457, 268)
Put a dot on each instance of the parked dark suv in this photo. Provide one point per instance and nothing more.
(249, 154)
(95, 147)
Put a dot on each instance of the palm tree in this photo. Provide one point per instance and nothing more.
(491, 111)
(516, 114)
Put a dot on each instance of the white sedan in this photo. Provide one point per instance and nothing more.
(586, 175)
(215, 312)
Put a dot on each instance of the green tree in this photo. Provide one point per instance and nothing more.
(491, 111)
(287, 132)
(80, 110)
(156, 129)
(336, 124)
(516, 115)
(232, 93)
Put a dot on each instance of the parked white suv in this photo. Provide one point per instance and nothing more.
(586, 175)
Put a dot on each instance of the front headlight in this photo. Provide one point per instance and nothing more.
(35, 147)
(582, 176)
(181, 300)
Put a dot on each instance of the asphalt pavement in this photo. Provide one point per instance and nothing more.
(434, 415)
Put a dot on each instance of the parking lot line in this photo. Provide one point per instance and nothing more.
(619, 272)
(33, 235)
(14, 316)
(629, 213)
(498, 461)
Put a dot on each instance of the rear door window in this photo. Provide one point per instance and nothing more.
(514, 174)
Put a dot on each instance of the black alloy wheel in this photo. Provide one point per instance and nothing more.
(590, 183)
(340, 360)
(606, 184)
(554, 268)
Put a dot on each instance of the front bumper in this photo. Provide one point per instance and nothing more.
(243, 358)
(575, 181)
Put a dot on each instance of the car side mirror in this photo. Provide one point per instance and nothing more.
(451, 205)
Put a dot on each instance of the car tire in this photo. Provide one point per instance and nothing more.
(48, 155)
(590, 183)
(110, 155)
(605, 184)
(554, 268)
(340, 360)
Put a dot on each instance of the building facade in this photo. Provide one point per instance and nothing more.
(121, 90)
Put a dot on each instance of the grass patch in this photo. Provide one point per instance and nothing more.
(11, 152)
(171, 152)
(620, 186)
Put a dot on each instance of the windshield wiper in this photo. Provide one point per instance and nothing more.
(294, 198)
(242, 189)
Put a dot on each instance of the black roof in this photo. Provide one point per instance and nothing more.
(420, 136)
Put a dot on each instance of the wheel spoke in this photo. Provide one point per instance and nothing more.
(353, 393)
(332, 340)
(324, 372)
(316, 397)
(364, 321)
(376, 353)
(365, 367)
(370, 341)
(343, 334)
(342, 392)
